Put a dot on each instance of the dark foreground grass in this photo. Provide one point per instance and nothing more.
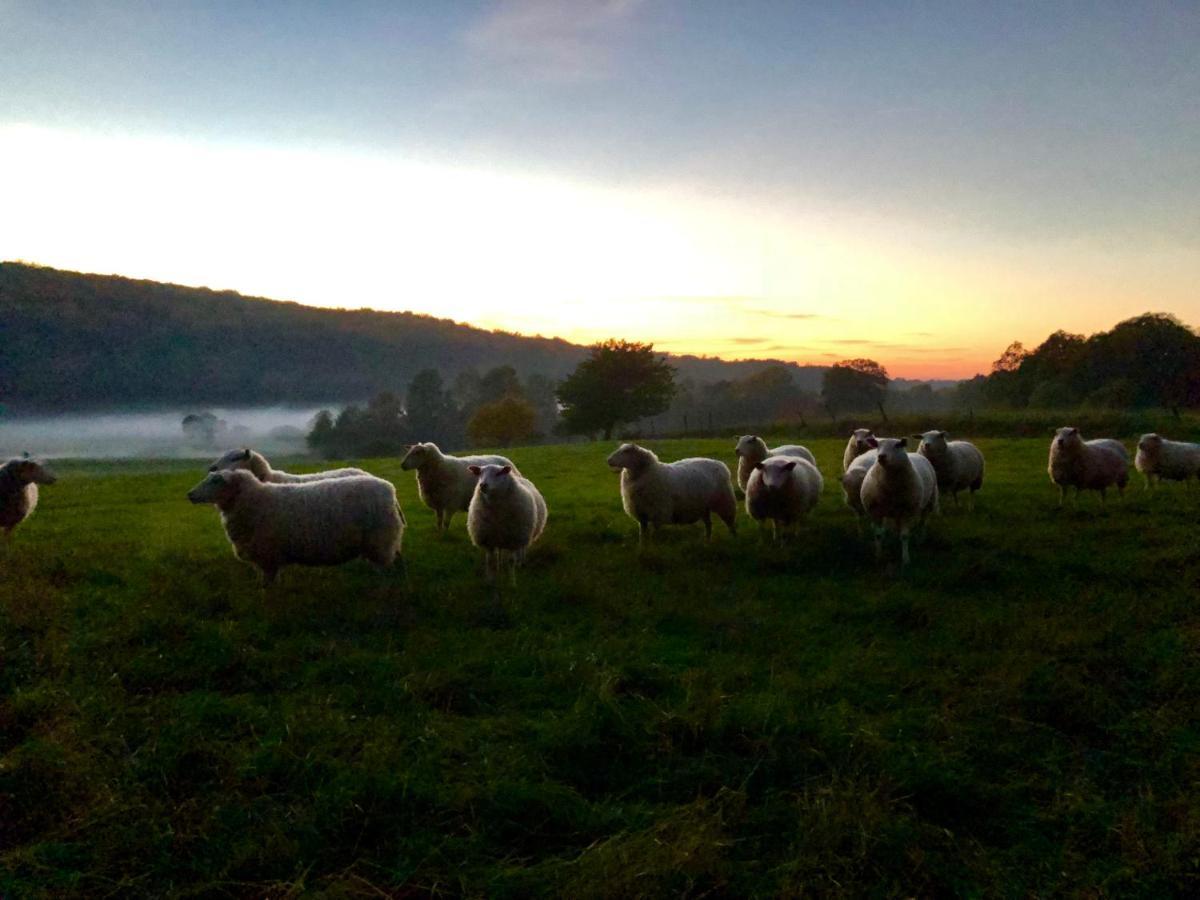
(1017, 715)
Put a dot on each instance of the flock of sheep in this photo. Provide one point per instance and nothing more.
(274, 518)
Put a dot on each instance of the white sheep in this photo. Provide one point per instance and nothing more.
(862, 440)
(253, 461)
(507, 514)
(751, 450)
(784, 490)
(690, 490)
(852, 480)
(1087, 465)
(19, 480)
(900, 487)
(1159, 458)
(313, 523)
(446, 483)
(958, 464)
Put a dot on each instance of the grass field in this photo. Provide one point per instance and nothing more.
(1018, 714)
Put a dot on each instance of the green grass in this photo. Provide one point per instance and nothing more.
(1018, 714)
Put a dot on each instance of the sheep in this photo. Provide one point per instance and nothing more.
(507, 514)
(899, 486)
(1092, 465)
(445, 482)
(255, 462)
(784, 490)
(958, 464)
(315, 523)
(751, 450)
(19, 480)
(861, 441)
(852, 480)
(679, 493)
(1159, 458)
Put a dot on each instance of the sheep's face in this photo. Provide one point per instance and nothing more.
(776, 473)
(629, 456)
(417, 456)
(893, 453)
(494, 481)
(863, 440)
(219, 487)
(1150, 443)
(1067, 439)
(30, 471)
(932, 442)
(752, 446)
(234, 459)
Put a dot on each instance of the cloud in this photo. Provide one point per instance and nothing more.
(782, 315)
(554, 40)
(747, 340)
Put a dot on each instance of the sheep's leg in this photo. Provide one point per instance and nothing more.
(708, 526)
(447, 515)
(955, 495)
(512, 569)
(971, 500)
(904, 529)
(775, 531)
(643, 530)
(1062, 496)
(878, 529)
(269, 574)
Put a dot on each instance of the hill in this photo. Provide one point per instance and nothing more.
(83, 341)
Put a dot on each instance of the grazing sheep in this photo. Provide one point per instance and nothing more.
(19, 480)
(899, 486)
(253, 461)
(852, 480)
(862, 440)
(314, 523)
(1087, 466)
(751, 450)
(958, 464)
(679, 493)
(784, 490)
(507, 514)
(1159, 458)
(446, 483)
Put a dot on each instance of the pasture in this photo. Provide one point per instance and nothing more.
(1017, 714)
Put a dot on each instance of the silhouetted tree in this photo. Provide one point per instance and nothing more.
(504, 422)
(539, 391)
(620, 381)
(431, 414)
(855, 384)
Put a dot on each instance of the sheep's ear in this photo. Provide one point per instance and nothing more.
(759, 466)
(918, 437)
(505, 470)
(25, 455)
(245, 453)
(474, 470)
(873, 442)
(944, 434)
(791, 464)
(902, 442)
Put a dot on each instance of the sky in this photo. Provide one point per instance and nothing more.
(919, 183)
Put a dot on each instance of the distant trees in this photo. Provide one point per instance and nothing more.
(203, 429)
(505, 422)
(619, 382)
(854, 385)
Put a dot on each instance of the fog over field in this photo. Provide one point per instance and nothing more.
(156, 433)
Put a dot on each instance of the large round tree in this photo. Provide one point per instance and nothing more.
(619, 382)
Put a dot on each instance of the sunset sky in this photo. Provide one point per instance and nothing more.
(919, 183)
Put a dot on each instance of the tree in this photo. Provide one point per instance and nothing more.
(539, 391)
(320, 437)
(500, 382)
(620, 381)
(855, 384)
(431, 414)
(1010, 360)
(508, 420)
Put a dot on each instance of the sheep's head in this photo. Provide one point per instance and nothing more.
(630, 456)
(234, 459)
(493, 480)
(221, 487)
(863, 440)
(30, 471)
(777, 472)
(419, 455)
(751, 446)
(893, 453)
(1150, 443)
(932, 443)
(1067, 439)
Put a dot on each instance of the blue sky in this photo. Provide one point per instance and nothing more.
(946, 145)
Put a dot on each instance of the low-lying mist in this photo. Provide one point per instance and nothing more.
(116, 434)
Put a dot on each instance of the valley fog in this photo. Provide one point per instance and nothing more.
(115, 434)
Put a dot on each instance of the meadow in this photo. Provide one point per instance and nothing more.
(1017, 714)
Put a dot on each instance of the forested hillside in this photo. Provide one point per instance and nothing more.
(75, 341)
